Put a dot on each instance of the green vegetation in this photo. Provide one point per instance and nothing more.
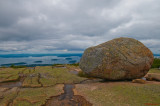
(27, 71)
(42, 82)
(54, 76)
(39, 84)
(154, 70)
(8, 96)
(74, 64)
(156, 63)
(13, 66)
(3, 67)
(82, 74)
(48, 76)
(30, 96)
(58, 65)
(31, 82)
(10, 74)
(120, 94)
(72, 67)
(36, 96)
(40, 76)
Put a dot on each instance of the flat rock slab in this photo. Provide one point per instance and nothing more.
(153, 76)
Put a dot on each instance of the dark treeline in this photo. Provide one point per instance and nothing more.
(156, 63)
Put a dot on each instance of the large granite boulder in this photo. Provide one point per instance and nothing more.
(117, 59)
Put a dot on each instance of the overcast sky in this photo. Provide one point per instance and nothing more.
(57, 26)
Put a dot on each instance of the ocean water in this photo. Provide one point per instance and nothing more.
(41, 59)
(38, 59)
(156, 55)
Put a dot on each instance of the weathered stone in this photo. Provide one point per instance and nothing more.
(153, 76)
(141, 81)
(118, 59)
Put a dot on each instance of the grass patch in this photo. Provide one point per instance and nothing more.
(48, 81)
(154, 70)
(58, 65)
(45, 75)
(27, 71)
(10, 74)
(8, 96)
(31, 82)
(48, 76)
(122, 94)
(54, 76)
(36, 96)
(3, 67)
(14, 66)
(22, 103)
(146, 94)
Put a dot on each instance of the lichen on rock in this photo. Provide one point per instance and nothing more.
(117, 59)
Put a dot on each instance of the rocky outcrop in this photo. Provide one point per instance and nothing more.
(117, 59)
(153, 76)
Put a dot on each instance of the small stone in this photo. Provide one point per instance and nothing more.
(141, 81)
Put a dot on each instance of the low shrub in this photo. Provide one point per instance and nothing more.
(13, 66)
(156, 63)
(75, 64)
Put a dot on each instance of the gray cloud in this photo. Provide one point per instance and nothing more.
(28, 26)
